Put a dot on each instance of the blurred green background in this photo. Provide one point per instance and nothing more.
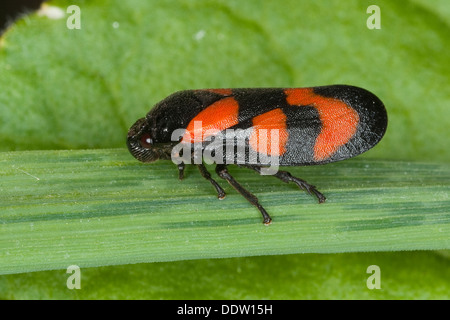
(66, 88)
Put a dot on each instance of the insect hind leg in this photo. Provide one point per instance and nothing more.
(302, 184)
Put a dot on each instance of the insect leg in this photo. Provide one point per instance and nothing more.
(222, 171)
(205, 174)
(302, 184)
(181, 171)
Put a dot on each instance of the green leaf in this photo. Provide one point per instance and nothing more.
(65, 88)
(403, 275)
(101, 207)
(72, 89)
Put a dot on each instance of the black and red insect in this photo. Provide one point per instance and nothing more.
(313, 126)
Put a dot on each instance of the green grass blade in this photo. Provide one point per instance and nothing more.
(102, 207)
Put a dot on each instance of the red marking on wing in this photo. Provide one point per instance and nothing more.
(219, 116)
(266, 127)
(339, 120)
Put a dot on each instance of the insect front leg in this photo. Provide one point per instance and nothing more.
(222, 171)
(181, 171)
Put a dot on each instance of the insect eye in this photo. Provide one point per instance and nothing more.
(146, 141)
